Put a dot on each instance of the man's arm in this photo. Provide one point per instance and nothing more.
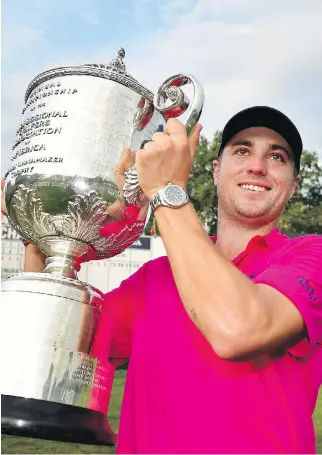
(34, 259)
(237, 317)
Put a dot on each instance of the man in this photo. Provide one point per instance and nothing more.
(223, 334)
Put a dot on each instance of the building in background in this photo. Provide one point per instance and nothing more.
(105, 274)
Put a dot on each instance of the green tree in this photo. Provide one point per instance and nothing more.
(201, 186)
(303, 215)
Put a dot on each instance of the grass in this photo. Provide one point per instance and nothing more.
(318, 423)
(11, 444)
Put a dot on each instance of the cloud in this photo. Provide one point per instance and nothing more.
(244, 52)
(23, 38)
(170, 11)
(275, 59)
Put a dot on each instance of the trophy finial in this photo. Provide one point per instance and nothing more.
(121, 53)
(117, 63)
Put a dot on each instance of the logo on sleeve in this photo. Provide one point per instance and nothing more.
(309, 288)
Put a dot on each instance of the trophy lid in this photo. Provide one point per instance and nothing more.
(115, 71)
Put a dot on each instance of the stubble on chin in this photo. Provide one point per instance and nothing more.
(239, 212)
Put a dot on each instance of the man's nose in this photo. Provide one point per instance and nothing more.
(258, 166)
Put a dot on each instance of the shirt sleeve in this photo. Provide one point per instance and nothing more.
(297, 273)
(113, 336)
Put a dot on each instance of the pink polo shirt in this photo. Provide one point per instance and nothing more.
(180, 397)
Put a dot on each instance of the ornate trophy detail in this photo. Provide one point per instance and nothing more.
(131, 190)
(64, 193)
(30, 214)
(117, 64)
(84, 217)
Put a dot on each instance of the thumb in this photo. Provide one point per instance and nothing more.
(175, 127)
(127, 159)
(194, 139)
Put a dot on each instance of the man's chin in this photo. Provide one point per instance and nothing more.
(253, 213)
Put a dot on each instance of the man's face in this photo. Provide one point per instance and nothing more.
(255, 176)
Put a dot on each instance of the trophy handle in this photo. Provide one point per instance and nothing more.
(170, 91)
(179, 104)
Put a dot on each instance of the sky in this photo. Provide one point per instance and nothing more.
(243, 52)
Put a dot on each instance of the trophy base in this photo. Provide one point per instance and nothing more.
(54, 421)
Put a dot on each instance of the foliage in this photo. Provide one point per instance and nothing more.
(303, 215)
(201, 186)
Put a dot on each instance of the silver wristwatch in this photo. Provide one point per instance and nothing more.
(173, 196)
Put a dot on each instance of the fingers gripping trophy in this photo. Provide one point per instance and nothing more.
(72, 190)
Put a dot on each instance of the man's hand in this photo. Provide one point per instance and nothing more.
(119, 209)
(116, 210)
(167, 158)
(121, 213)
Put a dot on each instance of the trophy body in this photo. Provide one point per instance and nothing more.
(67, 193)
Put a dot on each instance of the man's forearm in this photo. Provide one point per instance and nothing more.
(216, 295)
(34, 259)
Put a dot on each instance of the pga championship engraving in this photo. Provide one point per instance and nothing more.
(64, 193)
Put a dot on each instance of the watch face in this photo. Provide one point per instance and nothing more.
(174, 195)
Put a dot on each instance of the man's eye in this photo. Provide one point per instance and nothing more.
(278, 157)
(242, 152)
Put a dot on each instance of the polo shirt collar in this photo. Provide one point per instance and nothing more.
(258, 241)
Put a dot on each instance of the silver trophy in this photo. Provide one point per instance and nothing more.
(72, 190)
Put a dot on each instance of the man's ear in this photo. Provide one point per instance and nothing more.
(215, 166)
(295, 185)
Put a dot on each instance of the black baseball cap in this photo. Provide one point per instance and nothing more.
(267, 117)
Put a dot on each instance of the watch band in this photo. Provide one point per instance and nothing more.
(155, 202)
